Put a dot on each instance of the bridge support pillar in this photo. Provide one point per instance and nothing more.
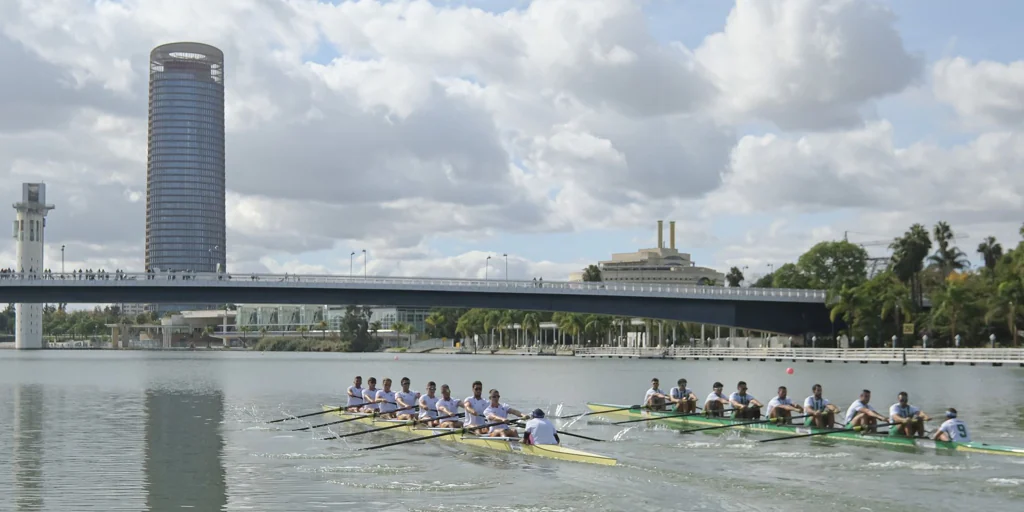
(28, 233)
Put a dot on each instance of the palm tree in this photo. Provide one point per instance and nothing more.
(375, 327)
(948, 304)
(948, 257)
(991, 251)
(908, 254)
(850, 304)
(1008, 303)
(302, 330)
(323, 328)
(245, 329)
(531, 324)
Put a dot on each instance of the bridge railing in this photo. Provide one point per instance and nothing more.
(417, 283)
(1014, 355)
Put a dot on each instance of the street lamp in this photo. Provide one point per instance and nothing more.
(487, 267)
(893, 341)
(814, 341)
(62, 259)
(351, 257)
(924, 341)
(506, 266)
(364, 263)
(957, 341)
(865, 341)
(992, 338)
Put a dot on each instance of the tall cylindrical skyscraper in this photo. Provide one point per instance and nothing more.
(185, 179)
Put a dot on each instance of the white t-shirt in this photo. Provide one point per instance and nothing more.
(541, 431)
(815, 404)
(388, 396)
(956, 430)
(650, 392)
(852, 411)
(500, 411)
(428, 406)
(679, 394)
(907, 412)
(478, 405)
(714, 397)
(451, 405)
(409, 399)
(743, 399)
(369, 395)
(357, 399)
(775, 402)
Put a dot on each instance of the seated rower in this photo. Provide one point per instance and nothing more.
(781, 407)
(497, 411)
(715, 403)
(683, 397)
(952, 429)
(355, 395)
(428, 406)
(406, 401)
(539, 430)
(820, 412)
(745, 406)
(448, 406)
(474, 407)
(654, 399)
(910, 419)
(370, 396)
(386, 400)
(860, 414)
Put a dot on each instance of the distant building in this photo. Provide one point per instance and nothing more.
(289, 317)
(657, 265)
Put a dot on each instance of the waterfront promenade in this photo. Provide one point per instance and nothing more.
(925, 356)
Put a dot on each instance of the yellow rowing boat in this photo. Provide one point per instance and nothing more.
(501, 444)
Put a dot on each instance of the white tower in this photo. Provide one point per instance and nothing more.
(28, 231)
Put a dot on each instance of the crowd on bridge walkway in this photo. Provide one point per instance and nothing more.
(74, 275)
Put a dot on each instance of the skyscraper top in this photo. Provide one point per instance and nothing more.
(188, 55)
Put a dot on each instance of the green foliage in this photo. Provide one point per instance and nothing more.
(592, 273)
(734, 277)
(303, 345)
(833, 265)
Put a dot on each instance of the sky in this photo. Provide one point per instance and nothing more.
(433, 134)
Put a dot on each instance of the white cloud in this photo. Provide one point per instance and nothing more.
(984, 94)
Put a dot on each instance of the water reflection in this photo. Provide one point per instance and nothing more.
(184, 450)
(28, 447)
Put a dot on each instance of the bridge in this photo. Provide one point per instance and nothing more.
(767, 309)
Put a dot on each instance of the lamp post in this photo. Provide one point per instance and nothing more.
(957, 339)
(351, 257)
(62, 259)
(814, 341)
(364, 263)
(924, 341)
(865, 341)
(506, 265)
(894, 341)
(992, 338)
(487, 267)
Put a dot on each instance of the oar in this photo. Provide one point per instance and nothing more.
(389, 427)
(669, 417)
(858, 428)
(600, 412)
(373, 415)
(325, 411)
(462, 430)
(770, 420)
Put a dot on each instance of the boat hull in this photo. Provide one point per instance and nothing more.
(787, 430)
(501, 444)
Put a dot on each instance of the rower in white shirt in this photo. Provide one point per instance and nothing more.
(474, 406)
(497, 411)
(745, 406)
(952, 429)
(715, 403)
(781, 407)
(386, 399)
(683, 397)
(654, 399)
(910, 419)
(861, 414)
(370, 396)
(820, 412)
(539, 430)
(406, 401)
(448, 406)
(355, 394)
(428, 405)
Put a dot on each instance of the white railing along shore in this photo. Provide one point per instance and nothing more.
(913, 355)
(212, 279)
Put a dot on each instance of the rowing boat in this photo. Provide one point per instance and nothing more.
(880, 439)
(501, 444)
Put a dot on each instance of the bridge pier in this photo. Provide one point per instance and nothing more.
(28, 231)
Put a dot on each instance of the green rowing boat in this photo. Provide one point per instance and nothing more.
(880, 439)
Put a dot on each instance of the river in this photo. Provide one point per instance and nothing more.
(134, 430)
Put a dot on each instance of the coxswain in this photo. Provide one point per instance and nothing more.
(474, 406)
(744, 405)
(953, 429)
(781, 407)
(428, 406)
(715, 403)
(539, 430)
(820, 412)
(910, 419)
(683, 397)
(355, 394)
(406, 401)
(370, 396)
(386, 399)
(448, 406)
(497, 411)
(860, 414)
(654, 399)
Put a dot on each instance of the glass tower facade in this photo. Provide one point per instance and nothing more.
(185, 178)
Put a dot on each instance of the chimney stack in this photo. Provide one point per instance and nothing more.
(672, 234)
(661, 235)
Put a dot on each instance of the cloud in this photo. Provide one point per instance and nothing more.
(985, 94)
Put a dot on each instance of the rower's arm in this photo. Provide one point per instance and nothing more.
(516, 412)
(470, 408)
(736, 405)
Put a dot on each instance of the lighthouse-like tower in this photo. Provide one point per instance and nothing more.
(28, 231)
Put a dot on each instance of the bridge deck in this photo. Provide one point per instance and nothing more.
(925, 356)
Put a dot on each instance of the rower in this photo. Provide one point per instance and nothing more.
(952, 429)
(911, 419)
(496, 412)
(355, 394)
(782, 407)
(654, 399)
(428, 406)
(539, 430)
(386, 399)
(860, 414)
(745, 406)
(820, 412)
(474, 406)
(370, 396)
(406, 401)
(716, 401)
(683, 397)
(448, 406)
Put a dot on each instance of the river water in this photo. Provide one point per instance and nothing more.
(104, 430)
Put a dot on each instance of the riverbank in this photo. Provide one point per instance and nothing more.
(1013, 357)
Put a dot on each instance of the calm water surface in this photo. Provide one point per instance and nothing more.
(186, 431)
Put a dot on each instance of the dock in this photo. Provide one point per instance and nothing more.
(1013, 357)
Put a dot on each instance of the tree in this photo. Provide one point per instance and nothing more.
(592, 273)
(908, 254)
(948, 257)
(790, 276)
(764, 281)
(832, 265)
(734, 277)
(991, 251)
